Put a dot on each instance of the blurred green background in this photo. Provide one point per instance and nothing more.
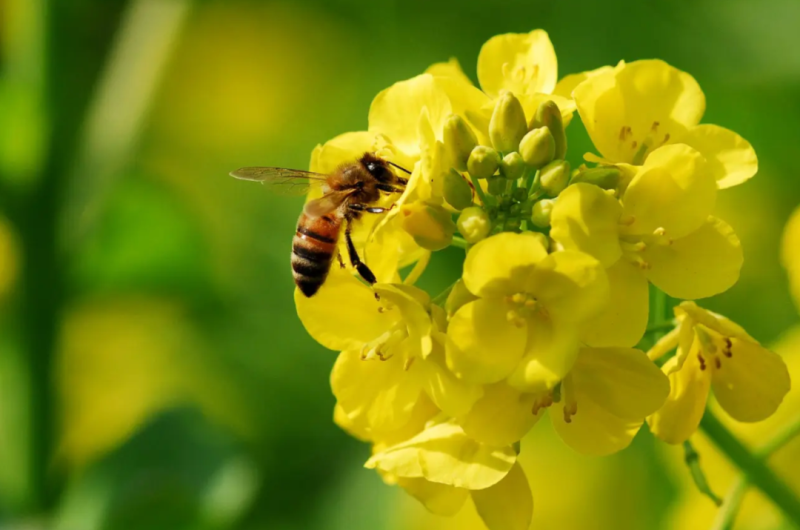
(153, 373)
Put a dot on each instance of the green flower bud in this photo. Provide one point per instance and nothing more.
(554, 177)
(459, 141)
(497, 185)
(540, 214)
(430, 225)
(548, 115)
(605, 177)
(474, 224)
(520, 195)
(512, 166)
(457, 192)
(459, 296)
(508, 125)
(538, 147)
(483, 162)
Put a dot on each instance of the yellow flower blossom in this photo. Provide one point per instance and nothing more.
(790, 254)
(660, 230)
(749, 381)
(531, 307)
(633, 109)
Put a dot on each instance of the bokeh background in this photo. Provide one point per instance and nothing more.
(153, 373)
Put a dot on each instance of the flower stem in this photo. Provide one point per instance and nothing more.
(754, 468)
(459, 242)
(477, 185)
(781, 438)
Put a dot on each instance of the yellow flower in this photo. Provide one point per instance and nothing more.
(749, 381)
(597, 410)
(790, 255)
(530, 309)
(633, 109)
(392, 352)
(659, 230)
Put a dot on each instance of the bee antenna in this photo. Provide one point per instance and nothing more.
(399, 167)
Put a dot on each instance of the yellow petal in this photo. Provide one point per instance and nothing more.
(439, 499)
(790, 253)
(593, 430)
(523, 63)
(443, 453)
(704, 263)
(672, 192)
(508, 505)
(354, 427)
(379, 393)
(482, 345)
(412, 304)
(642, 103)
(731, 159)
(570, 286)
(622, 381)
(502, 416)
(395, 111)
(567, 84)
(347, 327)
(344, 148)
(586, 218)
(752, 382)
(678, 419)
(551, 352)
(500, 265)
(452, 395)
(624, 320)
(451, 68)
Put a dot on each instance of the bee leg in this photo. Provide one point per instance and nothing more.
(369, 209)
(341, 261)
(361, 267)
(389, 188)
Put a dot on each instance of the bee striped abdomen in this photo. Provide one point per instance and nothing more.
(313, 249)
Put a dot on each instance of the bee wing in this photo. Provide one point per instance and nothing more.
(327, 203)
(281, 180)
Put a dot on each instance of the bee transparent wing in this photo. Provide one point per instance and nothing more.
(327, 203)
(292, 182)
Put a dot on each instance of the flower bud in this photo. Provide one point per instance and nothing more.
(540, 214)
(605, 177)
(457, 192)
(474, 224)
(512, 166)
(508, 125)
(548, 115)
(459, 296)
(483, 162)
(496, 185)
(459, 141)
(554, 177)
(538, 147)
(430, 225)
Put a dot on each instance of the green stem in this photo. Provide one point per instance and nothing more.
(442, 297)
(662, 326)
(459, 242)
(781, 438)
(481, 195)
(659, 312)
(755, 469)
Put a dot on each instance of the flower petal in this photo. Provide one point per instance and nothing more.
(551, 352)
(568, 83)
(672, 192)
(482, 345)
(344, 148)
(443, 453)
(731, 159)
(586, 218)
(624, 320)
(704, 263)
(452, 395)
(345, 327)
(502, 416)
(500, 265)
(381, 393)
(678, 419)
(412, 304)
(523, 63)
(395, 111)
(643, 103)
(439, 499)
(508, 505)
(451, 68)
(622, 381)
(752, 382)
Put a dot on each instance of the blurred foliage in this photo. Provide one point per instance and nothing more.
(186, 393)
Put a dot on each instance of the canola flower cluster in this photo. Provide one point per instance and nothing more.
(554, 293)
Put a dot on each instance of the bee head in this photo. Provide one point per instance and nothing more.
(377, 167)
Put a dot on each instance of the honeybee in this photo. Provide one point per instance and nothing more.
(349, 192)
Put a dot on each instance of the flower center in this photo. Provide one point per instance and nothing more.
(714, 347)
(633, 245)
(382, 348)
(521, 74)
(521, 307)
(638, 149)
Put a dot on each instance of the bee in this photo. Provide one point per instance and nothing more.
(350, 191)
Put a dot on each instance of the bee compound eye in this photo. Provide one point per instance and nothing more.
(371, 167)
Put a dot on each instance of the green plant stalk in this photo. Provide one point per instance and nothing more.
(754, 468)
(459, 242)
(481, 194)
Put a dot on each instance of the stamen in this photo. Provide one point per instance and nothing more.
(569, 411)
(702, 361)
(654, 128)
(627, 221)
(717, 362)
(408, 363)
